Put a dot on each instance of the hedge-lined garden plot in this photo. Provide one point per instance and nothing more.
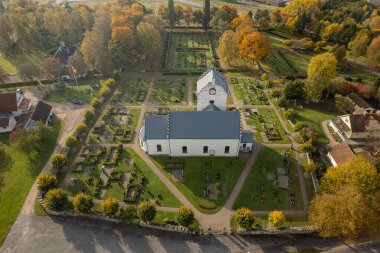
(267, 127)
(188, 53)
(116, 126)
(169, 91)
(104, 172)
(131, 91)
(249, 91)
(272, 185)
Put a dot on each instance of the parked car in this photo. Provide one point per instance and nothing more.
(77, 101)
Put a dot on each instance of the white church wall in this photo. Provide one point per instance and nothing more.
(195, 147)
(152, 147)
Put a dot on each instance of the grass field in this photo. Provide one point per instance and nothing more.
(11, 62)
(86, 90)
(250, 194)
(17, 178)
(313, 115)
(193, 184)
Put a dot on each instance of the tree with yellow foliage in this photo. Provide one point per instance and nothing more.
(242, 19)
(122, 43)
(321, 69)
(276, 218)
(228, 48)
(343, 213)
(358, 171)
(254, 46)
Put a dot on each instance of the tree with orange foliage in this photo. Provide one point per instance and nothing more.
(123, 41)
(242, 19)
(242, 30)
(254, 46)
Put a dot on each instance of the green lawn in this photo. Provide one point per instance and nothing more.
(269, 159)
(249, 91)
(11, 62)
(313, 115)
(223, 170)
(153, 188)
(17, 178)
(86, 90)
(268, 116)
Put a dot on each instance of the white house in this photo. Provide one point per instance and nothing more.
(42, 113)
(361, 126)
(209, 131)
(12, 105)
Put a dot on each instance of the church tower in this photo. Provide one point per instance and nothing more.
(212, 91)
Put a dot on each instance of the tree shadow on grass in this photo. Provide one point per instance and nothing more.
(6, 163)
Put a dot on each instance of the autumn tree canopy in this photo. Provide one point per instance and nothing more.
(255, 46)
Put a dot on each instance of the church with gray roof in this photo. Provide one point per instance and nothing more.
(212, 130)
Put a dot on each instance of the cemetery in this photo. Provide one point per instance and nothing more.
(206, 182)
(131, 92)
(104, 172)
(265, 124)
(116, 125)
(274, 185)
(169, 91)
(249, 91)
(188, 52)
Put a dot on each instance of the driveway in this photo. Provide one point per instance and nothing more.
(70, 115)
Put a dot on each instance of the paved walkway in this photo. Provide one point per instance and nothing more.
(189, 91)
(325, 126)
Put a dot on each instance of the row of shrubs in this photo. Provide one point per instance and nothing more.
(57, 200)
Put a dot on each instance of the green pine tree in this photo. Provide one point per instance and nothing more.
(206, 14)
(171, 13)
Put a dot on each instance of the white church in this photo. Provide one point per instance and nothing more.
(209, 131)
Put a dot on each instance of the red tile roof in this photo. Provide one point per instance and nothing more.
(341, 153)
(8, 102)
(24, 104)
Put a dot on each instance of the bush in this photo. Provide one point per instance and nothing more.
(46, 181)
(55, 199)
(105, 91)
(82, 203)
(58, 161)
(264, 77)
(290, 114)
(310, 167)
(185, 216)
(276, 218)
(110, 206)
(80, 128)
(367, 91)
(110, 83)
(70, 142)
(307, 147)
(298, 126)
(244, 217)
(294, 90)
(346, 88)
(129, 213)
(275, 93)
(89, 115)
(96, 104)
(146, 211)
(282, 102)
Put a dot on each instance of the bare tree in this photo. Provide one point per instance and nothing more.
(29, 71)
(52, 66)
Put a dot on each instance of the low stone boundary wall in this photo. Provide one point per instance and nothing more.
(287, 231)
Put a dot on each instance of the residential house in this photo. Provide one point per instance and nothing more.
(360, 105)
(209, 131)
(357, 126)
(42, 113)
(12, 106)
(340, 153)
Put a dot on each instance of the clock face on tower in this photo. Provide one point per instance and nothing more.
(212, 91)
